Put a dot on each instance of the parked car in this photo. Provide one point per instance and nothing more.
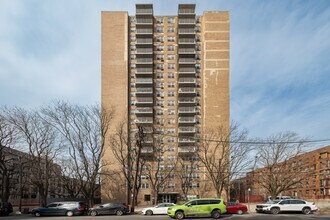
(109, 208)
(287, 205)
(160, 209)
(5, 208)
(61, 208)
(198, 207)
(233, 208)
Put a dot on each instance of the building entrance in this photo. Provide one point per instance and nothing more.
(167, 198)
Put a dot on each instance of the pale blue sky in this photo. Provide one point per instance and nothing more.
(280, 57)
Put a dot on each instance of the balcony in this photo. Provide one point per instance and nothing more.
(148, 101)
(187, 130)
(187, 21)
(186, 31)
(145, 72)
(144, 41)
(186, 140)
(187, 120)
(187, 41)
(186, 11)
(145, 110)
(144, 50)
(144, 21)
(187, 150)
(187, 71)
(186, 101)
(144, 120)
(144, 31)
(147, 150)
(144, 61)
(187, 91)
(187, 110)
(144, 92)
(187, 82)
(146, 11)
(187, 51)
(187, 60)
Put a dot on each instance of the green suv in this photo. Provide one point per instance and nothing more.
(198, 207)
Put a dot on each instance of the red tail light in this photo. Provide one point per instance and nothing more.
(81, 208)
(125, 206)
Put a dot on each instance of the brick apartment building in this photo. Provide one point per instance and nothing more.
(315, 186)
(169, 74)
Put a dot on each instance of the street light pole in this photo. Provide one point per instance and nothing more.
(249, 199)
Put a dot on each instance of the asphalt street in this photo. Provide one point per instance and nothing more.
(164, 217)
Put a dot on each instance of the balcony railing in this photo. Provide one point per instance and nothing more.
(144, 100)
(186, 31)
(187, 120)
(187, 130)
(187, 21)
(187, 90)
(144, 41)
(144, 70)
(187, 149)
(147, 150)
(187, 51)
(187, 60)
(144, 90)
(186, 11)
(144, 21)
(186, 140)
(186, 100)
(144, 11)
(144, 120)
(144, 51)
(186, 40)
(187, 70)
(143, 110)
(187, 80)
(144, 60)
(187, 110)
(144, 30)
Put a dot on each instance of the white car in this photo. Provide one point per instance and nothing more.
(287, 205)
(160, 209)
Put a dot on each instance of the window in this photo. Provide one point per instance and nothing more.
(170, 94)
(198, 38)
(171, 84)
(170, 158)
(144, 186)
(132, 75)
(133, 30)
(159, 30)
(170, 20)
(132, 20)
(159, 121)
(198, 20)
(160, 66)
(171, 103)
(147, 198)
(171, 57)
(170, 48)
(171, 66)
(159, 39)
(159, 112)
(171, 130)
(203, 202)
(159, 57)
(171, 39)
(171, 112)
(159, 48)
(133, 38)
(133, 66)
(159, 103)
(170, 149)
(171, 121)
(133, 48)
(159, 85)
(144, 177)
(171, 186)
(159, 75)
(170, 75)
(170, 29)
(170, 139)
(198, 47)
(198, 29)
(159, 20)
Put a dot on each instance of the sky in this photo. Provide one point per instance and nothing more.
(279, 57)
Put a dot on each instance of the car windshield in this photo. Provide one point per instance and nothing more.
(272, 201)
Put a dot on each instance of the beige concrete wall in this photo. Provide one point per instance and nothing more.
(114, 82)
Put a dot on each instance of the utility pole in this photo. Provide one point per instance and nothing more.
(139, 142)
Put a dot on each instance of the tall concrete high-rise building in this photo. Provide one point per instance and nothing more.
(169, 74)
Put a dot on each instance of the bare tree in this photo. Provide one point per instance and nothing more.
(84, 129)
(188, 174)
(224, 154)
(42, 144)
(277, 158)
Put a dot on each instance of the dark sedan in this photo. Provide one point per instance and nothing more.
(109, 209)
(61, 208)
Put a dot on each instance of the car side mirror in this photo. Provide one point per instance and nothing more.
(101, 206)
(157, 206)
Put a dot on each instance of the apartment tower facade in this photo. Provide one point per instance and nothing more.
(169, 74)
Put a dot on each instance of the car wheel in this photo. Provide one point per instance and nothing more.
(119, 212)
(93, 213)
(69, 213)
(275, 211)
(37, 214)
(179, 215)
(240, 212)
(306, 210)
(149, 212)
(216, 214)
